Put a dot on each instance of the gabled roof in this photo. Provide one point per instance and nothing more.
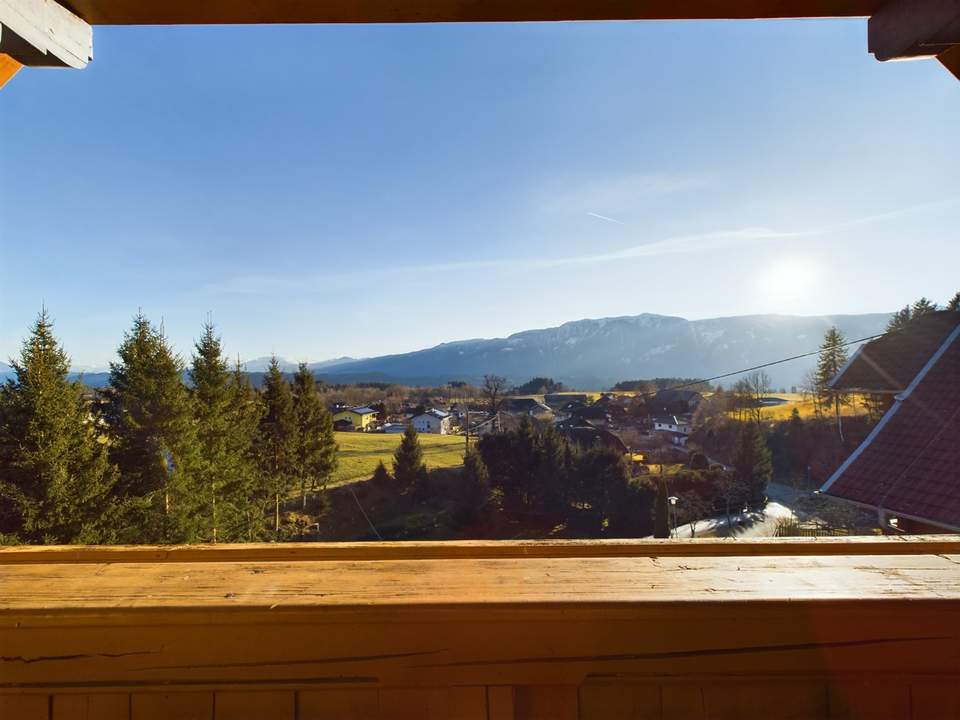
(439, 414)
(888, 364)
(909, 465)
(358, 410)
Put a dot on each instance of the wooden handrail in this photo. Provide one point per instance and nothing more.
(418, 550)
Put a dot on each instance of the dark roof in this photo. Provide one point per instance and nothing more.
(909, 465)
(677, 395)
(587, 436)
(888, 364)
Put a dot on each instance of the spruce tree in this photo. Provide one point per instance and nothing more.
(225, 430)
(380, 475)
(277, 438)
(153, 439)
(244, 503)
(752, 461)
(55, 479)
(475, 476)
(832, 357)
(409, 470)
(316, 447)
(954, 304)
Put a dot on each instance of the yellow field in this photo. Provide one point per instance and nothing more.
(806, 407)
(360, 453)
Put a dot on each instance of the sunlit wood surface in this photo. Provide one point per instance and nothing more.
(138, 12)
(804, 629)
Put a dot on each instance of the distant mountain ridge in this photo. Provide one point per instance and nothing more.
(598, 353)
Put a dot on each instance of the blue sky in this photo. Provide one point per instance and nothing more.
(333, 190)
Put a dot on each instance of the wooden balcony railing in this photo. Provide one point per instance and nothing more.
(819, 628)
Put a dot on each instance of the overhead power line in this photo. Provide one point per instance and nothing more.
(693, 383)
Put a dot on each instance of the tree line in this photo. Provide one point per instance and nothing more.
(151, 458)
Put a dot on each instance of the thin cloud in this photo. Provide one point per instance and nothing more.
(607, 219)
(676, 245)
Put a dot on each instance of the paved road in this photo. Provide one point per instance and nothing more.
(762, 523)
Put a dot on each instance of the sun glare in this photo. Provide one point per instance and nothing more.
(788, 279)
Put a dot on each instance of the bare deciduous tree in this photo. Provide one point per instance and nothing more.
(492, 390)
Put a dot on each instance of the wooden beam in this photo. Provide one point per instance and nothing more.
(8, 68)
(44, 33)
(951, 60)
(178, 12)
(479, 549)
(914, 28)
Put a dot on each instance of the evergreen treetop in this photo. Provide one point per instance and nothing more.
(55, 479)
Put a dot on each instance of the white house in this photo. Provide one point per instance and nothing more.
(678, 429)
(394, 428)
(436, 422)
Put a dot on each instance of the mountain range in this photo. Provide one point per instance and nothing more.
(595, 354)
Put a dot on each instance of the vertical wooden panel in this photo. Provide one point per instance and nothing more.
(682, 702)
(112, 706)
(25, 707)
(880, 699)
(457, 703)
(500, 702)
(345, 704)
(629, 702)
(935, 699)
(777, 700)
(183, 706)
(272, 705)
(545, 702)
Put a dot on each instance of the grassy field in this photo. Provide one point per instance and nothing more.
(806, 408)
(360, 453)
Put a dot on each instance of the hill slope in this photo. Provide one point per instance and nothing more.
(598, 353)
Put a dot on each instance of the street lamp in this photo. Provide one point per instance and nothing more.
(673, 511)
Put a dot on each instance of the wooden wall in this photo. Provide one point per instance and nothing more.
(485, 633)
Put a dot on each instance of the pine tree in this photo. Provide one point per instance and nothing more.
(409, 469)
(922, 307)
(899, 320)
(277, 439)
(225, 431)
(475, 476)
(954, 304)
(316, 447)
(55, 479)
(833, 356)
(380, 475)
(244, 505)
(908, 313)
(149, 412)
(752, 461)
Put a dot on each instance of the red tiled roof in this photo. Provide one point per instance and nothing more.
(888, 364)
(910, 464)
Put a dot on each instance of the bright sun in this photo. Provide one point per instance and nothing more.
(788, 279)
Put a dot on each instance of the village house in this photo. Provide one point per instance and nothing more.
(675, 402)
(361, 419)
(529, 407)
(434, 422)
(676, 428)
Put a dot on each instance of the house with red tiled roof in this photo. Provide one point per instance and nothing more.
(908, 467)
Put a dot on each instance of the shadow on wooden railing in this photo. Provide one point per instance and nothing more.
(799, 628)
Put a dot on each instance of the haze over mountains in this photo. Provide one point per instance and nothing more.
(595, 354)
